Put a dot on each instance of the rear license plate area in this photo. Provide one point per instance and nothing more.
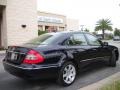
(13, 56)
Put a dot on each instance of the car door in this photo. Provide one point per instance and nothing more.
(98, 51)
(78, 46)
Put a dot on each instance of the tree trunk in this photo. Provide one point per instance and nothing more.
(103, 32)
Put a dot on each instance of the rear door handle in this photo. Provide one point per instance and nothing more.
(76, 51)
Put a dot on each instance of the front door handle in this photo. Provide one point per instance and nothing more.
(94, 49)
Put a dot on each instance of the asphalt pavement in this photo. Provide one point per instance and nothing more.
(97, 72)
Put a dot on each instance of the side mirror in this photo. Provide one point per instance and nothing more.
(105, 43)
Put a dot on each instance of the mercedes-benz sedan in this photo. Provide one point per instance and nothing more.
(58, 55)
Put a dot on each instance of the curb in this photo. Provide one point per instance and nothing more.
(102, 83)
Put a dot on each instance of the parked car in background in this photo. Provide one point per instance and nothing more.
(58, 55)
(99, 36)
(116, 38)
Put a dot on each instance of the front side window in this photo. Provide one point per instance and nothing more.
(76, 39)
(92, 40)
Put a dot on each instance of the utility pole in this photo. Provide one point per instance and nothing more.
(82, 27)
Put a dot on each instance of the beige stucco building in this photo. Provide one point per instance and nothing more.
(51, 22)
(18, 21)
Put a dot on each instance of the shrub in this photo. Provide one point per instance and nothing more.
(41, 32)
(2, 48)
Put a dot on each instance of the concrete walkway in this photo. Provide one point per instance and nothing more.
(114, 43)
(102, 83)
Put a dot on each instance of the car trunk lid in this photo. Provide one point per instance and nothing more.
(16, 54)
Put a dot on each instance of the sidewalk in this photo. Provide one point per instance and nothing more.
(114, 43)
(102, 83)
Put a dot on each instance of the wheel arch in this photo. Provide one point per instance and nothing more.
(70, 60)
(116, 54)
(69, 57)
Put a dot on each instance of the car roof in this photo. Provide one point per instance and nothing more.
(68, 32)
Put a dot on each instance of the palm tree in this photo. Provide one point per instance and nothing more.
(103, 24)
(117, 32)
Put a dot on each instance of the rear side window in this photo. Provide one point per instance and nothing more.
(44, 39)
(92, 40)
(76, 39)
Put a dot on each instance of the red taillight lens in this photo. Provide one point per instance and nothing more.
(33, 57)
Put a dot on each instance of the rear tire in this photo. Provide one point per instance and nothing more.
(112, 61)
(67, 74)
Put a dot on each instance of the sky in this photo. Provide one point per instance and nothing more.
(88, 12)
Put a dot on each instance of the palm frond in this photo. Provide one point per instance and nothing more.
(103, 24)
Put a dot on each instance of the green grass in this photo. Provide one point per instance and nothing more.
(114, 86)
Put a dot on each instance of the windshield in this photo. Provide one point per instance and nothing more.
(44, 39)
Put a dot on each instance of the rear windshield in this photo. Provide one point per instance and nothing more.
(44, 39)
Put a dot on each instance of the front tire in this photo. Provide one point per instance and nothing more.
(112, 61)
(67, 74)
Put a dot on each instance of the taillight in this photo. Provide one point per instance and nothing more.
(33, 57)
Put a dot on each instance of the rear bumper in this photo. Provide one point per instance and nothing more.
(31, 72)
